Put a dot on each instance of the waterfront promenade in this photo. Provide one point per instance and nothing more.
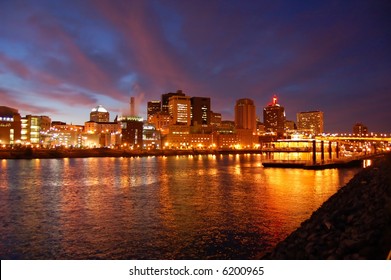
(355, 223)
(41, 153)
(30, 153)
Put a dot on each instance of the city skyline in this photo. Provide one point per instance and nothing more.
(57, 58)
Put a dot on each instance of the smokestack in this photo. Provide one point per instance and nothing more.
(132, 109)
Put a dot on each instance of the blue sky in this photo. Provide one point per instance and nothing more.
(62, 58)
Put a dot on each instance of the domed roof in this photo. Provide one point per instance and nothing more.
(99, 109)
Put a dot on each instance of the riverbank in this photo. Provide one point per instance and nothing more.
(355, 223)
(39, 153)
(44, 153)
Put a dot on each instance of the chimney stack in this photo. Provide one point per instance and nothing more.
(132, 110)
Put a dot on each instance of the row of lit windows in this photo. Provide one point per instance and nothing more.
(201, 140)
(6, 119)
(179, 132)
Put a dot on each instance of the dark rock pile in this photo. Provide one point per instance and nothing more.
(355, 223)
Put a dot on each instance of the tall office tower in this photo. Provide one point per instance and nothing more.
(179, 108)
(166, 98)
(360, 129)
(99, 114)
(311, 121)
(10, 125)
(245, 116)
(200, 110)
(274, 117)
(153, 107)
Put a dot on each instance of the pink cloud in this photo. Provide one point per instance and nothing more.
(144, 37)
(10, 99)
(14, 66)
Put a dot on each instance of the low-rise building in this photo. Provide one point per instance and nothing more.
(35, 129)
(10, 126)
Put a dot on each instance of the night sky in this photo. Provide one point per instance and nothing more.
(62, 58)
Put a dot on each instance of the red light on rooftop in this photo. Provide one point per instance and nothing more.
(274, 100)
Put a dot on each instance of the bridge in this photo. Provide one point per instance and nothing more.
(352, 137)
(325, 151)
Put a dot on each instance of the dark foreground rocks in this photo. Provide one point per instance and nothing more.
(355, 223)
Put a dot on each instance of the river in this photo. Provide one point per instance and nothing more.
(176, 207)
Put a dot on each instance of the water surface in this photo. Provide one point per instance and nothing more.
(185, 207)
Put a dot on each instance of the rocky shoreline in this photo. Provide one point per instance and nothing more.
(355, 223)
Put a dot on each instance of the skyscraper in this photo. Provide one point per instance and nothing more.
(166, 98)
(153, 107)
(180, 109)
(200, 110)
(311, 121)
(274, 117)
(245, 116)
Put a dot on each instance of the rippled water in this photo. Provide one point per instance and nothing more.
(188, 207)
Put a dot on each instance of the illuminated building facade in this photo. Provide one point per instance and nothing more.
(245, 115)
(161, 121)
(227, 127)
(311, 122)
(109, 133)
(151, 137)
(35, 129)
(215, 119)
(246, 138)
(153, 107)
(227, 141)
(166, 98)
(181, 138)
(180, 110)
(10, 126)
(67, 135)
(105, 133)
(274, 117)
(360, 129)
(132, 132)
(92, 127)
(200, 111)
(99, 114)
(290, 125)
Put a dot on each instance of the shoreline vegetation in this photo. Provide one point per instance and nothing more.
(354, 223)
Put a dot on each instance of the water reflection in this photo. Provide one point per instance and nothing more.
(367, 163)
(155, 207)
